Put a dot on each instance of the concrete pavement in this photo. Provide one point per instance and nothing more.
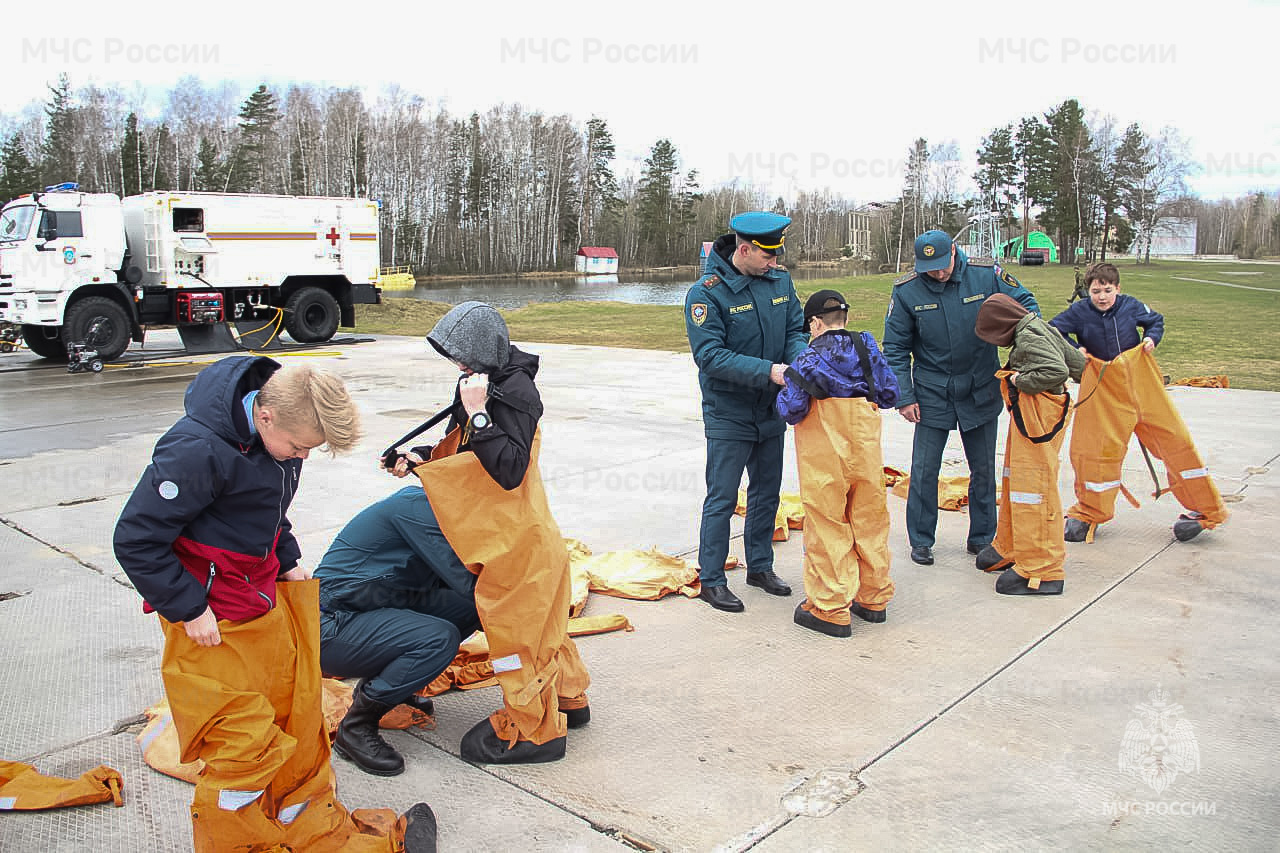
(966, 721)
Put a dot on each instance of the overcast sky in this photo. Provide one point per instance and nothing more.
(792, 95)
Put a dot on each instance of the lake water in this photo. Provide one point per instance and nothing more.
(653, 288)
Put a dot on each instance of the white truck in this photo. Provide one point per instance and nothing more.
(80, 267)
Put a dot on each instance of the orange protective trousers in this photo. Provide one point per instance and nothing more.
(1118, 399)
(251, 709)
(513, 545)
(23, 788)
(1029, 513)
(846, 515)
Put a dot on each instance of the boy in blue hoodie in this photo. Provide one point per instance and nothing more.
(831, 396)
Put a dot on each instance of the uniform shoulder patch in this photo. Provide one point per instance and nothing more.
(710, 281)
(1008, 279)
(982, 262)
(904, 278)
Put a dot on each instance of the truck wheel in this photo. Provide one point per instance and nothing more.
(311, 315)
(113, 324)
(42, 346)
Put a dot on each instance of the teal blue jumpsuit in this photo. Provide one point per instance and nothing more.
(739, 326)
(945, 368)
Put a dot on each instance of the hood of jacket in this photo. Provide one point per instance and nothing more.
(213, 398)
(517, 361)
(474, 334)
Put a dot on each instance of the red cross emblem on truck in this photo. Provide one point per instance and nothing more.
(333, 236)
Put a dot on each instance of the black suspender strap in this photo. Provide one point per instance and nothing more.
(864, 359)
(1016, 412)
(808, 387)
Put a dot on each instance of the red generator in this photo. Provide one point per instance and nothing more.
(200, 307)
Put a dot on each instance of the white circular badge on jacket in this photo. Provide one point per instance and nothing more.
(168, 490)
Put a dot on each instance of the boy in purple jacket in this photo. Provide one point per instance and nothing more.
(831, 396)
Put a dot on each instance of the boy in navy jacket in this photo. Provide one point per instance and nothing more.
(1122, 393)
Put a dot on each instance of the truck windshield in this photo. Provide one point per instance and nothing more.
(15, 222)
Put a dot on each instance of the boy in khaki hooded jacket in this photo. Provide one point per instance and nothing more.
(1027, 545)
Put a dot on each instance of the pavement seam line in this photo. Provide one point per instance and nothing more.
(982, 683)
(614, 832)
(10, 523)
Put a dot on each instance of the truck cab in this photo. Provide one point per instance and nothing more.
(55, 244)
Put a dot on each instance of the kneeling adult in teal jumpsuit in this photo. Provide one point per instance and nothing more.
(745, 325)
(947, 378)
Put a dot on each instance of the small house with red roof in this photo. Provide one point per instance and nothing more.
(594, 260)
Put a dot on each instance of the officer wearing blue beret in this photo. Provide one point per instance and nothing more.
(946, 375)
(745, 325)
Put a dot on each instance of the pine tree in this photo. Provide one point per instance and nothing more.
(1133, 163)
(687, 212)
(18, 175)
(655, 195)
(1070, 163)
(210, 171)
(133, 157)
(476, 210)
(60, 161)
(251, 162)
(997, 173)
(1033, 154)
(599, 186)
(159, 177)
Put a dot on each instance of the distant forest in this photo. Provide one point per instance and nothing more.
(513, 190)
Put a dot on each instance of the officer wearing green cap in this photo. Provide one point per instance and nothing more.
(947, 378)
(745, 325)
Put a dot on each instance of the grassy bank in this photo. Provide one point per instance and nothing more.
(1224, 323)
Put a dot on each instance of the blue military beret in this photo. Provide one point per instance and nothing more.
(762, 228)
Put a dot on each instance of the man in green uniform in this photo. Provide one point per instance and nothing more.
(745, 325)
(947, 378)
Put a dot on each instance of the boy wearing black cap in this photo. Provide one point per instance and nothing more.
(831, 396)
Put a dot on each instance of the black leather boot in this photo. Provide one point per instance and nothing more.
(769, 582)
(358, 739)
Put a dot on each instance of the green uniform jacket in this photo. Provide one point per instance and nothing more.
(929, 341)
(1042, 357)
(739, 326)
